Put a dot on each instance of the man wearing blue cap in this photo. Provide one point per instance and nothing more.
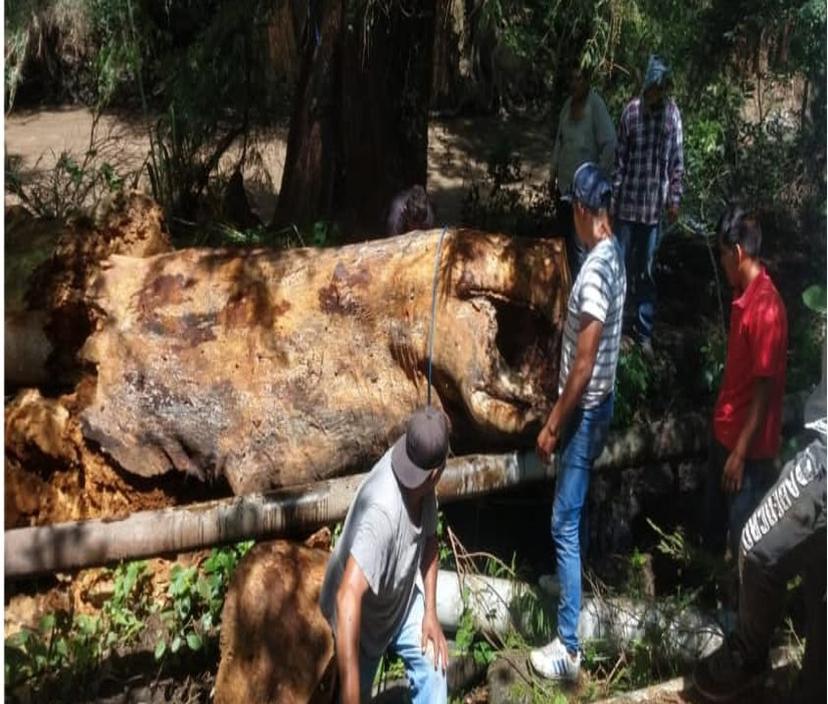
(649, 167)
(579, 421)
(380, 588)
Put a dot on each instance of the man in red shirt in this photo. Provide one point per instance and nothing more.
(747, 419)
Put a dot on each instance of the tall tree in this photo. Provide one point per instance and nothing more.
(359, 130)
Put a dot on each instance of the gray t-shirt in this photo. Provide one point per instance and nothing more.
(388, 547)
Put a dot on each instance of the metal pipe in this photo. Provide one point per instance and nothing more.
(72, 545)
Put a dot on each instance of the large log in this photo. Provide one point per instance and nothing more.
(279, 368)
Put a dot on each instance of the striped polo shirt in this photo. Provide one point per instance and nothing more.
(598, 291)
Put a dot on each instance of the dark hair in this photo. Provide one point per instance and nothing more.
(416, 206)
(738, 226)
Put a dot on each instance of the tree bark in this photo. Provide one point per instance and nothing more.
(50, 269)
(275, 368)
(359, 132)
(313, 155)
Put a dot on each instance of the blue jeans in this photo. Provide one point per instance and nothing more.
(582, 442)
(640, 242)
(724, 515)
(427, 685)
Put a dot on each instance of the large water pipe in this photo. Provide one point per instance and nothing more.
(72, 545)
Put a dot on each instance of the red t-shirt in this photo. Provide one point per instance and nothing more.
(756, 347)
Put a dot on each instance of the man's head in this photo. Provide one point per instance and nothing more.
(416, 208)
(740, 241)
(579, 80)
(656, 82)
(419, 456)
(591, 195)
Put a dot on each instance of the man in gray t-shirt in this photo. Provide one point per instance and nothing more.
(380, 587)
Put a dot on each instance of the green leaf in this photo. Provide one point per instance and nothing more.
(175, 646)
(814, 297)
(194, 641)
(160, 649)
(47, 623)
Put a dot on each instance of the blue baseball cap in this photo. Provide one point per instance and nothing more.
(657, 73)
(591, 188)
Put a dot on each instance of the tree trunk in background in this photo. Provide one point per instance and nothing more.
(359, 131)
(312, 154)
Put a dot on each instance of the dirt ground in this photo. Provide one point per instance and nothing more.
(457, 151)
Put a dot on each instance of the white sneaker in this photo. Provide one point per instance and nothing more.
(555, 663)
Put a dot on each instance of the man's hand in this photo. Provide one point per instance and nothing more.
(432, 632)
(672, 214)
(547, 442)
(733, 470)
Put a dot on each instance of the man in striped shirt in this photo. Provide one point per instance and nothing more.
(649, 167)
(579, 421)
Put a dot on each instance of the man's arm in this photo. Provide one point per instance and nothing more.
(348, 616)
(622, 152)
(735, 466)
(431, 626)
(588, 339)
(676, 167)
(604, 134)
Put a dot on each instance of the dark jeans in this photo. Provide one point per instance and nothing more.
(724, 515)
(640, 243)
(783, 538)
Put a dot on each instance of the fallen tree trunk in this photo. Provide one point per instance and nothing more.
(66, 546)
(276, 368)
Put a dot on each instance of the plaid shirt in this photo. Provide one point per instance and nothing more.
(649, 162)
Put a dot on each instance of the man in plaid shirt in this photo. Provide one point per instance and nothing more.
(649, 166)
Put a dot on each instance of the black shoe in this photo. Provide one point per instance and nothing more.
(722, 676)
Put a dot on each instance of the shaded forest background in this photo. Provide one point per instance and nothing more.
(357, 80)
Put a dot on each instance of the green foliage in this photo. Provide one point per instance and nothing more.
(62, 653)
(713, 352)
(814, 299)
(468, 640)
(445, 556)
(634, 384)
(196, 597)
(60, 657)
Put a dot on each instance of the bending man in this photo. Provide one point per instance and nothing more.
(380, 587)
